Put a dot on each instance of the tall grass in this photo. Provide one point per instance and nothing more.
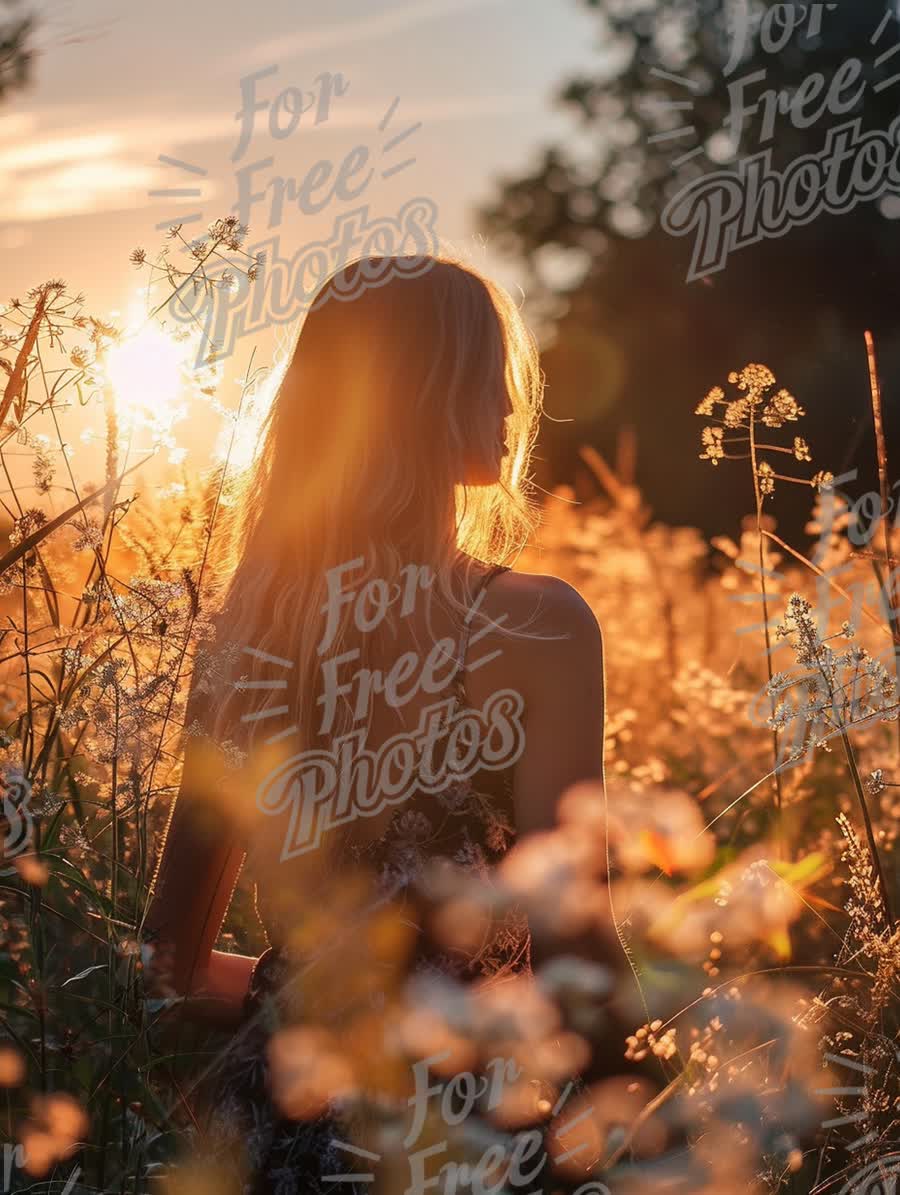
(751, 868)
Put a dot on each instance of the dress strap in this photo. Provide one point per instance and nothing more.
(467, 625)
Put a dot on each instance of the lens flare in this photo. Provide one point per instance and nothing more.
(147, 371)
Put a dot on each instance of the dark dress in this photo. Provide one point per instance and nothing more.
(472, 824)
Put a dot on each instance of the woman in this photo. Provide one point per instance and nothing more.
(427, 702)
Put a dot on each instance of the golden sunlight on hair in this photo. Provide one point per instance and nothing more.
(393, 386)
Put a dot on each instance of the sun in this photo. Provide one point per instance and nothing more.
(148, 381)
(146, 372)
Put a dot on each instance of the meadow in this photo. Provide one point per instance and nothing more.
(743, 855)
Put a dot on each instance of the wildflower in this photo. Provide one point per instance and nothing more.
(779, 682)
(32, 870)
(576, 978)
(54, 1130)
(875, 783)
(515, 1010)
(737, 413)
(138, 257)
(712, 441)
(75, 838)
(461, 924)
(547, 1061)
(90, 537)
(666, 832)
(25, 525)
(782, 408)
(308, 1071)
(866, 907)
(822, 480)
(753, 378)
(12, 1067)
(766, 476)
(586, 1125)
(801, 449)
(648, 1040)
(707, 406)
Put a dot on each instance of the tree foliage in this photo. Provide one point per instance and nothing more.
(16, 52)
(635, 342)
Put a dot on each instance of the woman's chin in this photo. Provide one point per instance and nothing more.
(483, 476)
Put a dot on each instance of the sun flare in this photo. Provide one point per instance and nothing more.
(146, 371)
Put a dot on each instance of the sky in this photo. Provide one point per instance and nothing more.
(444, 96)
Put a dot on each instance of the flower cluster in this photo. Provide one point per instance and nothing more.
(756, 407)
(841, 689)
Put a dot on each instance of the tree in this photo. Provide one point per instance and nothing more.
(637, 338)
(15, 49)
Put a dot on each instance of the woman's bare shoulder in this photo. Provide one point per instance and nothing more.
(540, 604)
(543, 638)
(544, 632)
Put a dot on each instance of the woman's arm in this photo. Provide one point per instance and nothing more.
(200, 860)
(559, 671)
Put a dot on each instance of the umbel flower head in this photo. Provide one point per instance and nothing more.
(757, 404)
(842, 689)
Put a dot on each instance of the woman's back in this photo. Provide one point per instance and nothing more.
(451, 795)
(398, 443)
(518, 702)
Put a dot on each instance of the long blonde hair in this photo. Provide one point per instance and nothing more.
(363, 456)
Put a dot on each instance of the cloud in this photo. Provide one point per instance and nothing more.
(76, 189)
(32, 154)
(383, 24)
(17, 124)
(57, 163)
(44, 176)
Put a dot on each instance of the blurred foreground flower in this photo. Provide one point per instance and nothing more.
(309, 1071)
(12, 1067)
(658, 828)
(752, 900)
(57, 1125)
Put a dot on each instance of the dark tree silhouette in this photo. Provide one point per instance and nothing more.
(672, 104)
(15, 46)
